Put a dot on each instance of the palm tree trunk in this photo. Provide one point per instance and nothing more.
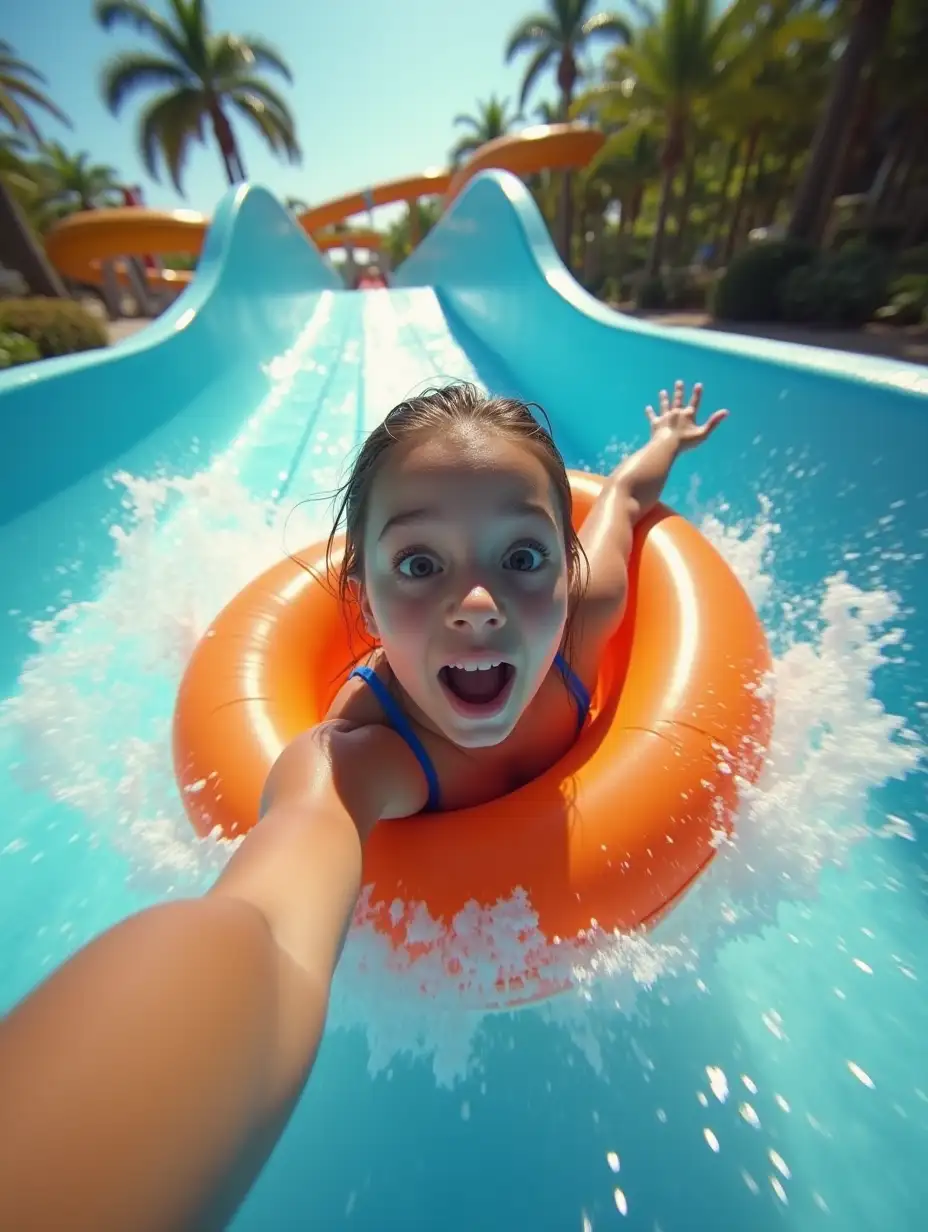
(634, 207)
(735, 225)
(779, 192)
(718, 226)
(567, 76)
(21, 251)
(912, 160)
(656, 254)
(226, 142)
(814, 198)
(686, 200)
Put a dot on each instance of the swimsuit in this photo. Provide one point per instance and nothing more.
(403, 728)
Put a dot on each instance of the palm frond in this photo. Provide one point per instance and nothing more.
(127, 73)
(112, 13)
(607, 24)
(538, 28)
(16, 114)
(167, 126)
(259, 89)
(541, 60)
(265, 55)
(270, 123)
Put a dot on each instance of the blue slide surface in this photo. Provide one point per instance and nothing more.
(266, 371)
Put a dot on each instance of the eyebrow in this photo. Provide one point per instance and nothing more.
(514, 509)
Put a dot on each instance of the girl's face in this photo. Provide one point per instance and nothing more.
(465, 579)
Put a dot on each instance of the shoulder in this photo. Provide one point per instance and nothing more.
(355, 704)
(594, 624)
(368, 766)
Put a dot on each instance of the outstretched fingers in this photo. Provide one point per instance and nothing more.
(713, 422)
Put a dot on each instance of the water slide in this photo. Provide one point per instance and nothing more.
(144, 484)
(79, 245)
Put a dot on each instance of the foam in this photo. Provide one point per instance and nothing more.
(833, 743)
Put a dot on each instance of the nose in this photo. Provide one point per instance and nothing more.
(477, 610)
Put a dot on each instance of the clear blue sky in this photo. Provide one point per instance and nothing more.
(376, 86)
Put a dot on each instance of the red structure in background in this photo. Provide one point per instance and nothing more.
(132, 198)
(370, 279)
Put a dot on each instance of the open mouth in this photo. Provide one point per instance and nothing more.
(478, 689)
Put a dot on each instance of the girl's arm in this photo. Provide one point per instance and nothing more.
(630, 493)
(145, 1082)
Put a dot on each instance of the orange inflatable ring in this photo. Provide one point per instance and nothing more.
(607, 839)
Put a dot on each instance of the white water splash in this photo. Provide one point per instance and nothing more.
(90, 727)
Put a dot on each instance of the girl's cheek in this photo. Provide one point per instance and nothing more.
(399, 614)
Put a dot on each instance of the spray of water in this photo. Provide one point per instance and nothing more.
(185, 546)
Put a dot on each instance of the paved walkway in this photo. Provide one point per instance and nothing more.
(117, 330)
(909, 343)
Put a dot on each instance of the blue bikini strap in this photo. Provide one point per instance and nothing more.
(403, 729)
(575, 687)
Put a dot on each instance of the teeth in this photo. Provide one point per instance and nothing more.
(477, 667)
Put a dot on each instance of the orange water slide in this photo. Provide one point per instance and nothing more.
(78, 245)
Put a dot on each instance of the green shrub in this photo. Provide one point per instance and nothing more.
(611, 289)
(841, 289)
(807, 296)
(56, 326)
(908, 301)
(689, 288)
(912, 260)
(749, 290)
(652, 294)
(15, 349)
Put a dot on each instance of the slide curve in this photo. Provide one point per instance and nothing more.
(485, 296)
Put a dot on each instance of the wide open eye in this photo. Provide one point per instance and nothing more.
(417, 565)
(526, 557)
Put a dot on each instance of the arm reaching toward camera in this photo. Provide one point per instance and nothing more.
(151, 1074)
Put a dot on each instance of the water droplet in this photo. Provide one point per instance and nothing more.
(860, 1074)
(774, 1023)
(718, 1083)
(779, 1163)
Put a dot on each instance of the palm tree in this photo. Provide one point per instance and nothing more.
(683, 60)
(19, 249)
(558, 36)
(204, 75)
(16, 172)
(868, 28)
(70, 182)
(411, 228)
(491, 121)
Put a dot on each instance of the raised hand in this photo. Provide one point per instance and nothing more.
(679, 421)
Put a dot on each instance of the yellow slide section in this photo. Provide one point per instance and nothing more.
(80, 243)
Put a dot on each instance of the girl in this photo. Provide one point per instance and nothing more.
(191, 1028)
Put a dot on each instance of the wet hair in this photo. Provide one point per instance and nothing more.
(463, 408)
